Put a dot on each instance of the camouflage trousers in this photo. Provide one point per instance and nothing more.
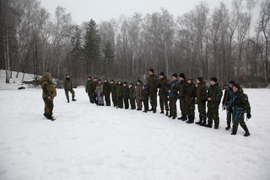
(229, 115)
(139, 103)
(182, 104)
(190, 110)
(239, 120)
(163, 101)
(173, 111)
(91, 98)
(153, 99)
(48, 107)
(114, 100)
(107, 100)
(146, 105)
(132, 103)
(119, 101)
(72, 92)
(202, 110)
(212, 113)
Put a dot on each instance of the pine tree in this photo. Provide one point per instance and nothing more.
(92, 46)
(108, 58)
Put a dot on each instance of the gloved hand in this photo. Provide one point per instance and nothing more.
(248, 115)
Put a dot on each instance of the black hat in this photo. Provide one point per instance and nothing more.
(99, 80)
(139, 81)
(182, 75)
(152, 70)
(237, 85)
(131, 84)
(200, 78)
(213, 79)
(161, 74)
(125, 82)
(232, 82)
(89, 77)
(175, 75)
(67, 74)
(112, 80)
(95, 77)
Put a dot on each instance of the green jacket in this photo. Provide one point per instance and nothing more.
(106, 88)
(201, 92)
(118, 90)
(113, 89)
(125, 92)
(190, 93)
(215, 93)
(152, 82)
(89, 86)
(131, 93)
(67, 84)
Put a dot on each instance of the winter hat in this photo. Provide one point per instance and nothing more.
(152, 70)
(47, 75)
(132, 84)
(119, 80)
(125, 82)
(161, 74)
(99, 79)
(237, 85)
(144, 86)
(190, 78)
(90, 77)
(232, 82)
(200, 78)
(67, 74)
(213, 79)
(112, 80)
(139, 81)
(175, 75)
(182, 75)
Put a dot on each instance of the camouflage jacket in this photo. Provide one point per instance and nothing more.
(240, 100)
(113, 89)
(106, 88)
(152, 82)
(138, 92)
(131, 93)
(89, 86)
(215, 93)
(182, 85)
(125, 92)
(145, 94)
(201, 92)
(67, 84)
(163, 85)
(190, 93)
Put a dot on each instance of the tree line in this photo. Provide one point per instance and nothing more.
(198, 43)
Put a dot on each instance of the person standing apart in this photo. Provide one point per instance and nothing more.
(68, 86)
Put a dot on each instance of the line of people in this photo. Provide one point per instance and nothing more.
(235, 101)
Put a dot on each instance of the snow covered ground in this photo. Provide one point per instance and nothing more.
(91, 142)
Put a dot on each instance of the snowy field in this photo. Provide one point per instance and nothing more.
(102, 143)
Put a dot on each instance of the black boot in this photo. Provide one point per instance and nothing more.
(234, 131)
(228, 126)
(154, 109)
(73, 99)
(50, 117)
(162, 112)
(246, 130)
(209, 125)
(68, 101)
(151, 109)
(167, 113)
(199, 122)
(190, 120)
(216, 125)
(170, 116)
(203, 122)
(174, 117)
(184, 117)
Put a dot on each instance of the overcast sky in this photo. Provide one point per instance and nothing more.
(84, 10)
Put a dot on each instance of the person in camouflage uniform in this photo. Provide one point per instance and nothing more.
(145, 98)
(68, 86)
(113, 93)
(118, 93)
(226, 103)
(173, 94)
(49, 93)
(152, 82)
(163, 85)
(138, 95)
(213, 95)
(200, 96)
(89, 89)
(190, 96)
(240, 105)
(182, 85)
(94, 90)
(106, 92)
(131, 96)
(125, 95)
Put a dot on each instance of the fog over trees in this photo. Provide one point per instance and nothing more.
(203, 42)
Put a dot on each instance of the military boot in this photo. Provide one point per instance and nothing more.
(203, 122)
(199, 122)
(246, 130)
(216, 125)
(154, 109)
(228, 126)
(73, 99)
(209, 125)
(151, 109)
(184, 117)
(190, 120)
(162, 112)
(167, 113)
(68, 101)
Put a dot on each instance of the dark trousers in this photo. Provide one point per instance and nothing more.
(146, 105)
(163, 101)
(132, 103)
(173, 111)
(95, 98)
(91, 98)
(126, 103)
(72, 92)
(48, 110)
(108, 100)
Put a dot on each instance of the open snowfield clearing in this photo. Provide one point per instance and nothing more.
(91, 142)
